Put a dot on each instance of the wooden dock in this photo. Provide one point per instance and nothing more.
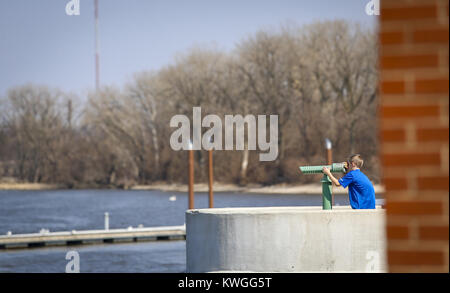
(92, 237)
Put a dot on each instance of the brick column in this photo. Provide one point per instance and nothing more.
(414, 132)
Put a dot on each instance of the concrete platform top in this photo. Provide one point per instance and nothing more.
(277, 210)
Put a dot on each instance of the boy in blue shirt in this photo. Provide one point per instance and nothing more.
(360, 190)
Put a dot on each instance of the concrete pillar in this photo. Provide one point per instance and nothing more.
(285, 239)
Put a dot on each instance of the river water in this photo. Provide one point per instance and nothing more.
(65, 210)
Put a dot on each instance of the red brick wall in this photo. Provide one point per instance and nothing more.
(414, 132)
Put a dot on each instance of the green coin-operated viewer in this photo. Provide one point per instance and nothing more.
(326, 182)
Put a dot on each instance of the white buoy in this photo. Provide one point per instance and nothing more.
(173, 198)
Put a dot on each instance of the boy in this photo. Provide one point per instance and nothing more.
(360, 189)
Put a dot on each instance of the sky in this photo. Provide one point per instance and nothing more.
(41, 44)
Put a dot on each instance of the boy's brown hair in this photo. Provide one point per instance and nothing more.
(357, 159)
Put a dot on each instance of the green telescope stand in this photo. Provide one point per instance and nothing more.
(326, 182)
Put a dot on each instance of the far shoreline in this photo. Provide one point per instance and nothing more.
(284, 188)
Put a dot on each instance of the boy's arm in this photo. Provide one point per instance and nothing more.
(332, 178)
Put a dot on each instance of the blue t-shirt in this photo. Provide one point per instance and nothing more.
(360, 190)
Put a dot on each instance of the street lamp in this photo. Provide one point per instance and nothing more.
(191, 177)
(210, 176)
(329, 146)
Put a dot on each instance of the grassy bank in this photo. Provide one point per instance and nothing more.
(199, 187)
(29, 186)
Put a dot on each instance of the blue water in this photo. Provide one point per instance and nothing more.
(63, 210)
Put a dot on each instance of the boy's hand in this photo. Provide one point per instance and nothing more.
(326, 171)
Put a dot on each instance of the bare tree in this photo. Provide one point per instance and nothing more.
(342, 61)
(112, 114)
(266, 63)
(146, 94)
(34, 118)
(193, 82)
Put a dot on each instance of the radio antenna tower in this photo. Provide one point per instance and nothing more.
(97, 52)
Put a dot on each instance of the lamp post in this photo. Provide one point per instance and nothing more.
(210, 169)
(106, 221)
(191, 177)
(329, 146)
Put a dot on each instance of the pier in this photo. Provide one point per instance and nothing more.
(131, 234)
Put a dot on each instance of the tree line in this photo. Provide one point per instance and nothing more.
(320, 79)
